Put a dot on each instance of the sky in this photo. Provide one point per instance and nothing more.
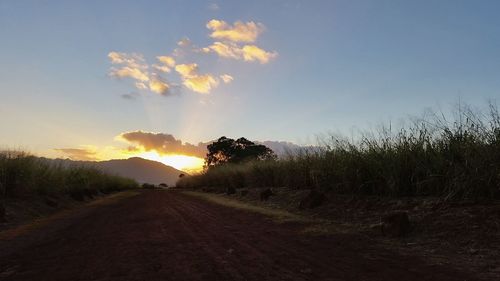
(94, 80)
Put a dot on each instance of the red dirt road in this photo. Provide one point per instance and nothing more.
(166, 235)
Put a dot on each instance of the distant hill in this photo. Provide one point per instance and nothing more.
(142, 170)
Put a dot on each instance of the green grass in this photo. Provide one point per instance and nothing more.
(433, 156)
(23, 174)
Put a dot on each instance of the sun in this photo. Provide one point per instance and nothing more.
(184, 163)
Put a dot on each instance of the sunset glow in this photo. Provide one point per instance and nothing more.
(189, 164)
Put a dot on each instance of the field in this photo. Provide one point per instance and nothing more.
(435, 156)
(31, 186)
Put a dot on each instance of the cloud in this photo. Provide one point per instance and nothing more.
(283, 148)
(133, 60)
(132, 66)
(184, 42)
(126, 71)
(213, 7)
(226, 50)
(166, 63)
(162, 68)
(202, 84)
(246, 53)
(254, 53)
(130, 96)
(162, 143)
(226, 78)
(83, 154)
(238, 32)
(187, 70)
(184, 47)
(168, 144)
(158, 85)
(140, 86)
(234, 41)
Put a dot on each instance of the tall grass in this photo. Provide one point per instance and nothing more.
(23, 174)
(432, 156)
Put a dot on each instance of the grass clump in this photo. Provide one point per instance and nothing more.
(24, 174)
(457, 158)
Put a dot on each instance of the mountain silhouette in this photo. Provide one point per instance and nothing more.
(139, 169)
(142, 170)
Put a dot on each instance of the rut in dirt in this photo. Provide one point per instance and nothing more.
(166, 235)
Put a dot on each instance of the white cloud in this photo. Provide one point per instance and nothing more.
(226, 78)
(140, 85)
(184, 42)
(213, 7)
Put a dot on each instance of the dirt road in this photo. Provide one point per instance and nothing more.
(166, 235)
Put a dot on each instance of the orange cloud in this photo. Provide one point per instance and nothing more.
(166, 63)
(202, 84)
(126, 71)
(133, 66)
(165, 144)
(158, 85)
(82, 154)
(254, 53)
(246, 53)
(238, 32)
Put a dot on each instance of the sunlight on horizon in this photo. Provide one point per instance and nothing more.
(184, 163)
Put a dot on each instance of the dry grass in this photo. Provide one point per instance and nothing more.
(437, 156)
(311, 226)
(22, 174)
(277, 215)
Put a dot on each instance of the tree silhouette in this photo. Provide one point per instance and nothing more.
(226, 150)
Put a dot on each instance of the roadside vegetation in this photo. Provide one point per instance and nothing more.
(22, 174)
(455, 157)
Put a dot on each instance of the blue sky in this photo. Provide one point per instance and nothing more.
(335, 65)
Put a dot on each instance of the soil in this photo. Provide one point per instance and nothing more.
(167, 235)
(462, 234)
